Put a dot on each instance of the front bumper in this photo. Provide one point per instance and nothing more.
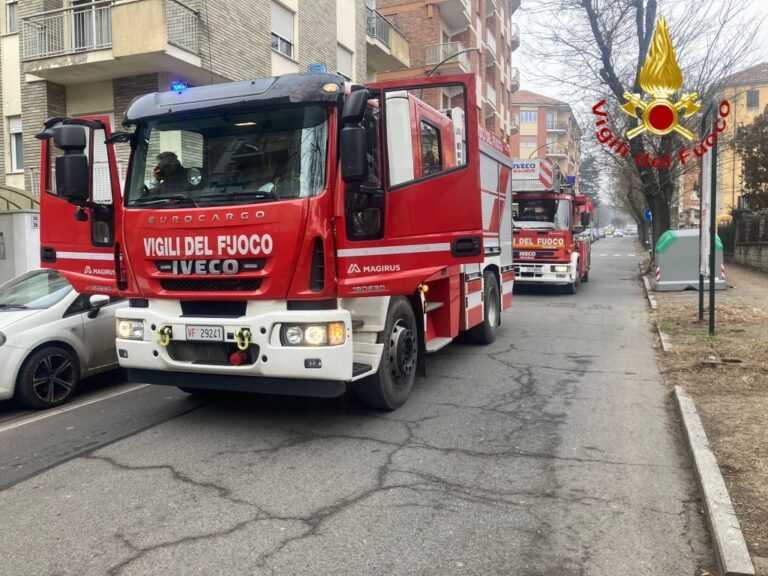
(11, 360)
(269, 357)
(535, 273)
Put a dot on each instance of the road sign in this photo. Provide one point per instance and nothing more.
(648, 216)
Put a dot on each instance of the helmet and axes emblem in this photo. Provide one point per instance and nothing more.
(660, 76)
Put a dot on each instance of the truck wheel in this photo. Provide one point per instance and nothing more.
(574, 287)
(485, 332)
(390, 387)
(586, 277)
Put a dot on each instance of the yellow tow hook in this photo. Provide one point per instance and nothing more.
(164, 335)
(243, 339)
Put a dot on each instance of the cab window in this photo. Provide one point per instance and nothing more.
(431, 149)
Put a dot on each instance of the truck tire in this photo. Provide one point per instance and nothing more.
(485, 332)
(573, 288)
(586, 276)
(390, 387)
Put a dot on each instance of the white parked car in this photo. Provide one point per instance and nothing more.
(51, 336)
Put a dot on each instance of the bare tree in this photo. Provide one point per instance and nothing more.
(598, 48)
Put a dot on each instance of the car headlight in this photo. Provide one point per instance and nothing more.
(561, 269)
(331, 334)
(2, 338)
(130, 329)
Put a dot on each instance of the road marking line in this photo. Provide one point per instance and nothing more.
(617, 254)
(69, 408)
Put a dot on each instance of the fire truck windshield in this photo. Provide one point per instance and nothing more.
(229, 158)
(551, 213)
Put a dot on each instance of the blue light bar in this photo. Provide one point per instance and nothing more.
(179, 86)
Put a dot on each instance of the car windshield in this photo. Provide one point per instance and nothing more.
(225, 158)
(35, 290)
(551, 213)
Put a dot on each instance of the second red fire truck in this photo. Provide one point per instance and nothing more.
(289, 235)
(551, 244)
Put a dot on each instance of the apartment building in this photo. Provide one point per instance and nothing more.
(69, 57)
(462, 36)
(547, 129)
(747, 91)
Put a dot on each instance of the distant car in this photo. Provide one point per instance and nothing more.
(618, 234)
(51, 336)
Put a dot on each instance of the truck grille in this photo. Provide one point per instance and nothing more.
(211, 285)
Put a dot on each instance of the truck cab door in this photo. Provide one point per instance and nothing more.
(417, 207)
(78, 228)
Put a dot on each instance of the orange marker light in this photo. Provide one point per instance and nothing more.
(337, 333)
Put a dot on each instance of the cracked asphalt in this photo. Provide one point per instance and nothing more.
(554, 451)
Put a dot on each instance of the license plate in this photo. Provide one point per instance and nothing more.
(210, 333)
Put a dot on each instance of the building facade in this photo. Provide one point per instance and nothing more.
(75, 57)
(547, 128)
(747, 91)
(462, 36)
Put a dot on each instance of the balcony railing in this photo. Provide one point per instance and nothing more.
(556, 126)
(490, 40)
(514, 36)
(556, 151)
(183, 23)
(437, 53)
(67, 31)
(88, 27)
(379, 27)
(514, 78)
(490, 95)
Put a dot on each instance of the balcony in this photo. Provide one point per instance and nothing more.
(456, 14)
(387, 47)
(490, 100)
(490, 8)
(556, 127)
(490, 46)
(456, 60)
(99, 41)
(514, 36)
(556, 152)
(514, 79)
(514, 126)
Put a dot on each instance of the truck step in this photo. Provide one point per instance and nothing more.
(360, 368)
(433, 306)
(437, 343)
(357, 324)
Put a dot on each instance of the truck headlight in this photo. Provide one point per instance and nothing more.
(2, 338)
(331, 334)
(130, 329)
(561, 269)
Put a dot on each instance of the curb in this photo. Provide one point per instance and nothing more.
(730, 548)
(651, 298)
(666, 345)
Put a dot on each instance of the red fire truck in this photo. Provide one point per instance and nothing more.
(551, 245)
(291, 235)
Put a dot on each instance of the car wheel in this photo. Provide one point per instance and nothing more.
(48, 378)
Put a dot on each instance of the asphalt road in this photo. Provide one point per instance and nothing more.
(553, 451)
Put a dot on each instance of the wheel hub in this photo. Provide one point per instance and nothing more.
(402, 352)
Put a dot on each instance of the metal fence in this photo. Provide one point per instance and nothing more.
(66, 31)
(183, 23)
(378, 26)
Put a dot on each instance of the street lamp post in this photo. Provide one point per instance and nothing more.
(537, 149)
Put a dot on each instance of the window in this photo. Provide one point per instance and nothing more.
(528, 117)
(753, 99)
(17, 145)
(528, 141)
(11, 16)
(431, 152)
(550, 120)
(282, 29)
(344, 62)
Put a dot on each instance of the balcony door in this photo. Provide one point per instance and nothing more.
(91, 24)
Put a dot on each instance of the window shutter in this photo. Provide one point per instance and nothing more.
(343, 61)
(282, 22)
(14, 124)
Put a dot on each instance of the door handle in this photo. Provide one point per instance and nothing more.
(466, 246)
(47, 254)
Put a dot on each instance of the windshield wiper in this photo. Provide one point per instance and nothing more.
(14, 306)
(257, 194)
(176, 200)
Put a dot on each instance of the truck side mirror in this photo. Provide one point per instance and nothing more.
(354, 165)
(585, 218)
(72, 173)
(354, 107)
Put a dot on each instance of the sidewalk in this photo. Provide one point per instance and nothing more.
(727, 376)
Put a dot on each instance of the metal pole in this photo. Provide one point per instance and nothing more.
(712, 234)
